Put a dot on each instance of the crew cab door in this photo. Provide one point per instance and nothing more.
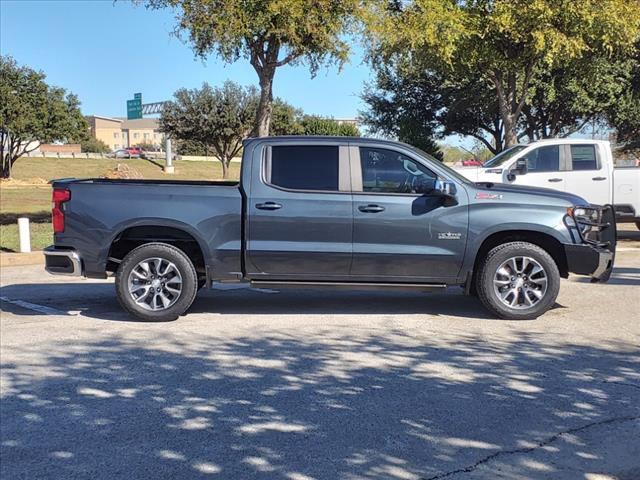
(588, 175)
(300, 221)
(403, 230)
(545, 168)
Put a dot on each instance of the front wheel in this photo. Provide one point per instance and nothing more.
(518, 281)
(156, 282)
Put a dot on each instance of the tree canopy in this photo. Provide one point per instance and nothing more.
(270, 34)
(217, 117)
(507, 48)
(32, 112)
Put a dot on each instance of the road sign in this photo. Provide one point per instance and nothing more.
(134, 107)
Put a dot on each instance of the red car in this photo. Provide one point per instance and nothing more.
(134, 151)
(471, 163)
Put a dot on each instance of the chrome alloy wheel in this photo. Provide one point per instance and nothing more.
(155, 284)
(520, 282)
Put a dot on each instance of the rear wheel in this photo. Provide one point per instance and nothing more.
(518, 281)
(156, 282)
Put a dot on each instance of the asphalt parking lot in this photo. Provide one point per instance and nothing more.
(306, 385)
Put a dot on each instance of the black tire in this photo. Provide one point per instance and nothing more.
(489, 267)
(171, 254)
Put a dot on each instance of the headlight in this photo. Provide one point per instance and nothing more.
(585, 218)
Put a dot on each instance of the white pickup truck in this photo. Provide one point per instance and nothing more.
(582, 167)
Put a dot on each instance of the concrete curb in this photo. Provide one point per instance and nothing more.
(18, 259)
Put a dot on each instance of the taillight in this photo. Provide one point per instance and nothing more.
(57, 213)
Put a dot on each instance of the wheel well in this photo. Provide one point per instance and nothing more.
(545, 241)
(133, 237)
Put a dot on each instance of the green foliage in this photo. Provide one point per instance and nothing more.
(218, 118)
(93, 145)
(32, 111)
(624, 113)
(286, 119)
(191, 147)
(148, 146)
(269, 34)
(315, 125)
(503, 44)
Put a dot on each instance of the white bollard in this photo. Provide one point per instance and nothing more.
(25, 235)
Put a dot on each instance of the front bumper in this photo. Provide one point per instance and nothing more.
(589, 260)
(597, 251)
(62, 261)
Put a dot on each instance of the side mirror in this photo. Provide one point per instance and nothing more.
(519, 168)
(445, 188)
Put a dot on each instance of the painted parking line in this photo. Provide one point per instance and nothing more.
(36, 307)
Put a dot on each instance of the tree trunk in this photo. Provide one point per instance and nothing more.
(263, 116)
(225, 168)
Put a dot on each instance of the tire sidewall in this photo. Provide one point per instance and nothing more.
(182, 263)
(499, 255)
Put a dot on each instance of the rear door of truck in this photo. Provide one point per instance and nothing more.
(589, 172)
(299, 217)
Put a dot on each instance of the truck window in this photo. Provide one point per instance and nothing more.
(544, 159)
(583, 157)
(389, 171)
(305, 167)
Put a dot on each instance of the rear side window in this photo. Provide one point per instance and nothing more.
(583, 157)
(305, 167)
(544, 159)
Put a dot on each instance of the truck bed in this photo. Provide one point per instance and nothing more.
(103, 211)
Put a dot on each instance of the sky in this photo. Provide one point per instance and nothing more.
(106, 51)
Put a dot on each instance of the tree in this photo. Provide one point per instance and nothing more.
(32, 112)
(315, 125)
(93, 145)
(270, 34)
(219, 118)
(286, 119)
(624, 114)
(504, 43)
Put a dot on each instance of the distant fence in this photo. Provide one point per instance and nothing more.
(152, 155)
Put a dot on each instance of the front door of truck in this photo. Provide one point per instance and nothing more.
(300, 222)
(403, 230)
(544, 168)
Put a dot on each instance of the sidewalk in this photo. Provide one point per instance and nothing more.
(17, 259)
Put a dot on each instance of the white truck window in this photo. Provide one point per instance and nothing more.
(544, 159)
(583, 157)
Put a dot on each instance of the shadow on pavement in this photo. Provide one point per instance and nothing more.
(320, 406)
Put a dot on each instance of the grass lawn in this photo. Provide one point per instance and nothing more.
(34, 201)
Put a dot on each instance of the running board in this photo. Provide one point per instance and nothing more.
(421, 287)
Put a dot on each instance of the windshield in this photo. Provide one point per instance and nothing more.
(450, 171)
(503, 156)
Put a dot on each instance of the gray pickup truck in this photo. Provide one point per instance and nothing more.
(330, 212)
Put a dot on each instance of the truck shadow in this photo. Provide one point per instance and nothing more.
(97, 300)
(317, 405)
(621, 276)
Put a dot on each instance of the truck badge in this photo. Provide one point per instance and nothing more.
(449, 236)
(488, 196)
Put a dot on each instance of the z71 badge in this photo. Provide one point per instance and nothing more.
(449, 236)
(488, 196)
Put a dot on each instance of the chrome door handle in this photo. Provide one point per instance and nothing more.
(553, 180)
(371, 208)
(598, 179)
(268, 206)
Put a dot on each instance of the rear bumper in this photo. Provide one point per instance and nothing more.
(589, 260)
(59, 261)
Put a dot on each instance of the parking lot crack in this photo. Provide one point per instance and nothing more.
(543, 443)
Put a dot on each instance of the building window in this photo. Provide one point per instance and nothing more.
(136, 135)
(146, 136)
(116, 146)
(116, 135)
